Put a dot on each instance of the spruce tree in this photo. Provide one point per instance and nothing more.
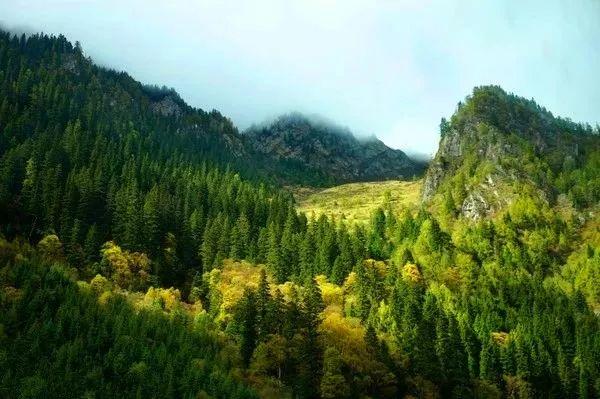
(248, 317)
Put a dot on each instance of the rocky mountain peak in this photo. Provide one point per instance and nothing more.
(317, 146)
(495, 144)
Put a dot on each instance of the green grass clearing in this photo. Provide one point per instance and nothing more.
(355, 202)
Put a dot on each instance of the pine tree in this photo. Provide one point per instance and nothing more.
(488, 363)
(74, 250)
(307, 254)
(235, 244)
(151, 222)
(172, 274)
(248, 326)
(133, 219)
(345, 260)
(274, 261)
(210, 241)
(92, 243)
(326, 249)
(289, 245)
(196, 226)
(333, 382)
(264, 315)
(311, 352)
(223, 244)
(377, 238)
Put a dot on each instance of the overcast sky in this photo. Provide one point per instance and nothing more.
(388, 68)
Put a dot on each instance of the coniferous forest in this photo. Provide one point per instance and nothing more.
(148, 250)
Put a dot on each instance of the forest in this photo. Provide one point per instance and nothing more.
(146, 252)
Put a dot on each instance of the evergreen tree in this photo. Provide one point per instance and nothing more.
(151, 222)
(289, 245)
(311, 352)
(210, 242)
(333, 383)
(266, 318)
(274, 259)
(248, 326)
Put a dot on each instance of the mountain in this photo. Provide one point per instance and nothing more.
(146, 252)
(93, 155)
(114, 104)
(42, 73)
(301, 145)
(498, 146)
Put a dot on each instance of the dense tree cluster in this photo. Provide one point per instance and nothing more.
(61, 339)
(100, 166)
(502, 307)
(482, 313)
(165, 266)
(279, 338)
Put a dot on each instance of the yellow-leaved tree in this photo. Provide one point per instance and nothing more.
(129, 270)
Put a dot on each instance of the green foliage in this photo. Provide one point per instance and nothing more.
(127, 187)
(61, 339)
(502, 143)
(333, 383)
(356, 202)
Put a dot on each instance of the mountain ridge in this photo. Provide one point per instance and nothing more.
(206, 134)
(157, 273)
(497, 144)
(301, 143)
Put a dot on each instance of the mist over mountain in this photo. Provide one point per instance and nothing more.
(312, 144)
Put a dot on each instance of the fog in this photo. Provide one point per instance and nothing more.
(385, 68)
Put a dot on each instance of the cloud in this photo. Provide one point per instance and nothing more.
(389, 68)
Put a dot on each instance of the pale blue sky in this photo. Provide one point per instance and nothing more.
(389, 68)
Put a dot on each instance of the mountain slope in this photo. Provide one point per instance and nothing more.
(42, 73)
(159, 274)
(356, 202)
(498, 146)
(93, 156)
(46, 73)
(302, 145)
(66, 339)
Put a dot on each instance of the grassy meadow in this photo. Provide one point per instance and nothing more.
(355, 202)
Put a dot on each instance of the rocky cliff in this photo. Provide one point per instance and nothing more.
(496, 145)
(306, 146)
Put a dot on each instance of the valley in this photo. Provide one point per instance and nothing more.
(149, 248)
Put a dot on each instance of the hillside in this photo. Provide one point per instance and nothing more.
(356, 202)
(49, 73)
(308, 146)
(80, 339)
(145, 251)
(53, 74)
(497, 146)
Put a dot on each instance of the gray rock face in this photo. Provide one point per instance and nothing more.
(496, 144)
(475, 206)
(449, 151)
(451, 145)
(166, 107)
(483, 197)
(330, 150)
(433, 178)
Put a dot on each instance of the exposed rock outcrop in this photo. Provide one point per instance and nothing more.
(330, 151)
(496, 144)
(167, 107)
